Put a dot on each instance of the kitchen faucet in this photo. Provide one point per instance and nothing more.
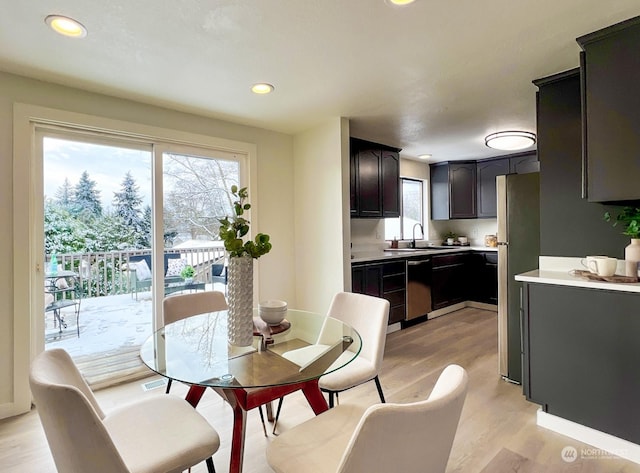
(413, 242)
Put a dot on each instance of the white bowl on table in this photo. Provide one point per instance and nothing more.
(272, 312)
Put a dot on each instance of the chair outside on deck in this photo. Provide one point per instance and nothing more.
(130, 439)
(219, 273)
(408, 438)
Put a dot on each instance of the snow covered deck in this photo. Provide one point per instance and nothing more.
(112, 328)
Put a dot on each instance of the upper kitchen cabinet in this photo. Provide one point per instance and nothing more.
(610, 74)
(523, 163)
(453, 190)
(375, 180)
(486, 173)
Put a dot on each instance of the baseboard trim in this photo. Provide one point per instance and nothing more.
(394, 327)
(601, 441)
(462, 305)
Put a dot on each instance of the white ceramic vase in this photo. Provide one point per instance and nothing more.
(632, 257)
(240, 301)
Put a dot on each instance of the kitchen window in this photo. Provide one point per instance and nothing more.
(411, 212)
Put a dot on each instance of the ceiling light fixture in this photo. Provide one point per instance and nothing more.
(262, 88)
(400, 2)
(424, 156)
(66, 26)
(510, 140)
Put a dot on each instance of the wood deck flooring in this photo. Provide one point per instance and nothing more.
(497, 432)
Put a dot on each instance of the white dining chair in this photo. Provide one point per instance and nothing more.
(180, 306)
(408, 438)
(369, 316)
(159, 434)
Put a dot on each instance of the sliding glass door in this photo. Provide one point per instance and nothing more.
(125, 223)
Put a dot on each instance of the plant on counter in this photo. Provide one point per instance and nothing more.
(629, 217)
(450, 235)
(233, 229)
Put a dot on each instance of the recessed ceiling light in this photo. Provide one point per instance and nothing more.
(66, 26)
(424, 156)
(262, 88)
(400, 2)
(510, 140)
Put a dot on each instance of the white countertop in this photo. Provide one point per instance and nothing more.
(558, 271)
(377, 255)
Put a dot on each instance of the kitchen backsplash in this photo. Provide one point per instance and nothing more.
(368, 234)
(473, 229)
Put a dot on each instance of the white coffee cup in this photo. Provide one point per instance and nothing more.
(586, 263)
(604, 266)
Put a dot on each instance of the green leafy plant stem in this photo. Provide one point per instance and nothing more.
(234, 228)
(629, 217)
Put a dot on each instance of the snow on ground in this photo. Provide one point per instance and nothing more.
(106, 324)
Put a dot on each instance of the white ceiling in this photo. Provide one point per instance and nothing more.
(433, 77)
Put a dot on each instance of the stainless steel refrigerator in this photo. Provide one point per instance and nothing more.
(518, 251)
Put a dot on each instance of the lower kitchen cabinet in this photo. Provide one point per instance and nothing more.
(581, 355)
(484, 276)
(449, 279)
(386, 280)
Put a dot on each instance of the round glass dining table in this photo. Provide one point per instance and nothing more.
(195, 351)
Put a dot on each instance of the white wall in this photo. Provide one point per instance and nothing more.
(414, 169)
(321, 178)
(273, 178)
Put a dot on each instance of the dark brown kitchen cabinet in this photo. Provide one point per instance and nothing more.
(390, 178)
(524, 163)
(483, 271)
(449, 279)
(374, 180)
(386, 280)
(486, 172)
(610, 75)
(453, 190)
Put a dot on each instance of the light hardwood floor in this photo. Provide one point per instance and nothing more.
(497, 431)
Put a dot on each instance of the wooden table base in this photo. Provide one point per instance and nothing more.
(242, 400)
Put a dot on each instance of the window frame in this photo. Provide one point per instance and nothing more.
(401, 218)
(27, 246)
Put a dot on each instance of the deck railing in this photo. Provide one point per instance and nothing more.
(105, 273)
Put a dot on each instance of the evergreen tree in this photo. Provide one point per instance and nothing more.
(64, 194)
(127, 202)
(86, 199)
(145, 232)
(62, 232)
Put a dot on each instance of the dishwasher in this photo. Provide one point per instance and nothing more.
(418, 287)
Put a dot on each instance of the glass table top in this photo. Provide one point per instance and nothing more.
(195, 351)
